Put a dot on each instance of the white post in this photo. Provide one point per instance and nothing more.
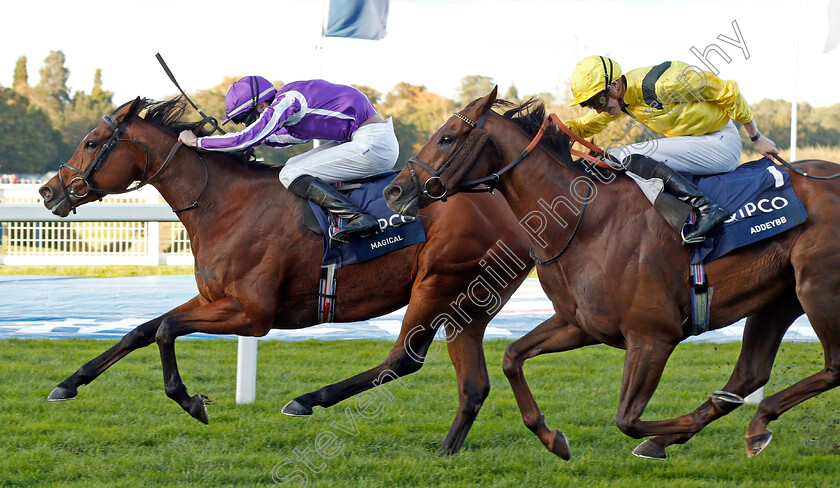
(795, 103)
(755, 397)
(246, 370)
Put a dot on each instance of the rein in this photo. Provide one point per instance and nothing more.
(568, 242)
(803, 173)
(99, 160)
(491, 181)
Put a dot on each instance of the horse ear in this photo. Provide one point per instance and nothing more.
(485, 103)
(135, 107)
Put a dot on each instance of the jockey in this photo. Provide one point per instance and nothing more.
(693, 109)
(361, 142)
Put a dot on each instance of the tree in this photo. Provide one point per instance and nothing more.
(20, 82)
(51, 92)
(28, 143)
(84, 112)
(415, 105)
(472, 87)
(512, 94)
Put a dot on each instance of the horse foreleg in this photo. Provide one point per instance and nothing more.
(224, 316)
(142, 336)
(763, 335)
(467, 354)
(553, 335)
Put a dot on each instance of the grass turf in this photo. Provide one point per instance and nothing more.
(123, 431)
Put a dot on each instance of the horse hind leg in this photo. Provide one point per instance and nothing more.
(553, 335)
(407, 356)
(818, 295)
(142, 336)
(763, 335)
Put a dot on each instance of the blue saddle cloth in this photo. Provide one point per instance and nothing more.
(396, 231)
(762, 204)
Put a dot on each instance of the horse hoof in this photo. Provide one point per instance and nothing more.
(650, 450)
(296, 409)
(60, 394)
(756, 443)
(559, 445)
(198, 410)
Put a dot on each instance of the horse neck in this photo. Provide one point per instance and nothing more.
(540, 182)
(216, 185)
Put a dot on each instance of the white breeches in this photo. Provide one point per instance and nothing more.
(718, 152)
(372, 149)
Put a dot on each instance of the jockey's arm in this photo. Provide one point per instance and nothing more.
(763, 145)
(269, 122)
(590, 123)
(727, 95)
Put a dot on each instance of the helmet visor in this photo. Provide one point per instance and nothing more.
(247, 118)
(598, 101)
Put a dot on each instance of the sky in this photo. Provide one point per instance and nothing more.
(532, 44)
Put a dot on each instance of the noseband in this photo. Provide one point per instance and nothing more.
(99, 160)
(436, 173)
(489, 182)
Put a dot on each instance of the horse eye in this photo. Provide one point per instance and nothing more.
(446, 139)
(90, 145)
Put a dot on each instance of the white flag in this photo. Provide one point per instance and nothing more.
(833, 39)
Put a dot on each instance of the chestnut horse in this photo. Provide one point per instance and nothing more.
(617, 274)
(257, 266)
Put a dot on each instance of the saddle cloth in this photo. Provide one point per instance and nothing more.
(396, 231)
(761, 202)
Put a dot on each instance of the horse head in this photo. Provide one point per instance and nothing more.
(455, 154)
(116, 153)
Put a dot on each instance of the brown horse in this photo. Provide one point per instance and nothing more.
(257, 265)
(617, 274)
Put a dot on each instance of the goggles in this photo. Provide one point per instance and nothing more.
(246, 118)
(598, 101)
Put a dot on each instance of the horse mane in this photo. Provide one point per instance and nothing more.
(169, 116)
(529, 116)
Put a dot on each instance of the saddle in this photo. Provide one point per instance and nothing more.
(762, 204)
(759, 197)
(396, 231)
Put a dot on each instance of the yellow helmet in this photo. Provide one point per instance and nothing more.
(592, 76)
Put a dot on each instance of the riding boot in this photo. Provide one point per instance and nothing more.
(709, 213)
(356, 222)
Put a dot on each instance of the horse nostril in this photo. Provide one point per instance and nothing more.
(393, 191)
(46, 193)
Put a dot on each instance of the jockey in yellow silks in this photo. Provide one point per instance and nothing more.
(693, 109)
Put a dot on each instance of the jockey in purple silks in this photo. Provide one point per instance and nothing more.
(361, 142)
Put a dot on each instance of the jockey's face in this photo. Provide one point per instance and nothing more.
(613, 105)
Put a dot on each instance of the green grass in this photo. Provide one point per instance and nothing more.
(123, 431)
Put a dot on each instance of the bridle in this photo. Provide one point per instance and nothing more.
(468, 187)
(102, 155)
(491, 181)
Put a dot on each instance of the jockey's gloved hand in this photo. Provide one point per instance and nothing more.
(765, 147)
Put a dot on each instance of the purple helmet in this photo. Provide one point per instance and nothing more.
(246, 94)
